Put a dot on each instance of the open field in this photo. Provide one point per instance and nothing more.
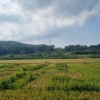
(50, 79)
(51, 60)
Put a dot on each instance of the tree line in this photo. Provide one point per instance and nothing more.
(13, 48)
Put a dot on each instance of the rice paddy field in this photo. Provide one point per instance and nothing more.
(54, 79)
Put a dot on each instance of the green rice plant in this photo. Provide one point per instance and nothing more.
(20, 75)
(48, 63)
(39, 66)
(69, 84)
(23, 81)
(7, 83)
(58, 82)
(60, 78)
(62, 67)
(16, 64)
(6, 66)
(81, 82)
(33, 68)
(16, 81)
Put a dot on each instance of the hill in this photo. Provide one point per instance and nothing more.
(13, 48)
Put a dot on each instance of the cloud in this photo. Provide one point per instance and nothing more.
(9, 12)
(28, 20)
(69, 8)
(60, 13)
(34, 4)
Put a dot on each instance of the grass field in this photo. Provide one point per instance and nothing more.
(52, 79)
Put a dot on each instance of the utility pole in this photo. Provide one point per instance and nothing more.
(49, 47)
(49, 42)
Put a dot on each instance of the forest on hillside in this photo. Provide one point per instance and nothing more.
(15, 48)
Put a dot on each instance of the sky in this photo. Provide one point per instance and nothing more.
(64, 22)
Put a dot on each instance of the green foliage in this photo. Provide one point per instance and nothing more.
(16, 81)
(94, 56)
(16, 50)
(21, 48)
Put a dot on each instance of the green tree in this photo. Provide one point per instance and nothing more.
(22, 52)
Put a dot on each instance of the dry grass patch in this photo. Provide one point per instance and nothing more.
(37, 61)
(77, 75)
